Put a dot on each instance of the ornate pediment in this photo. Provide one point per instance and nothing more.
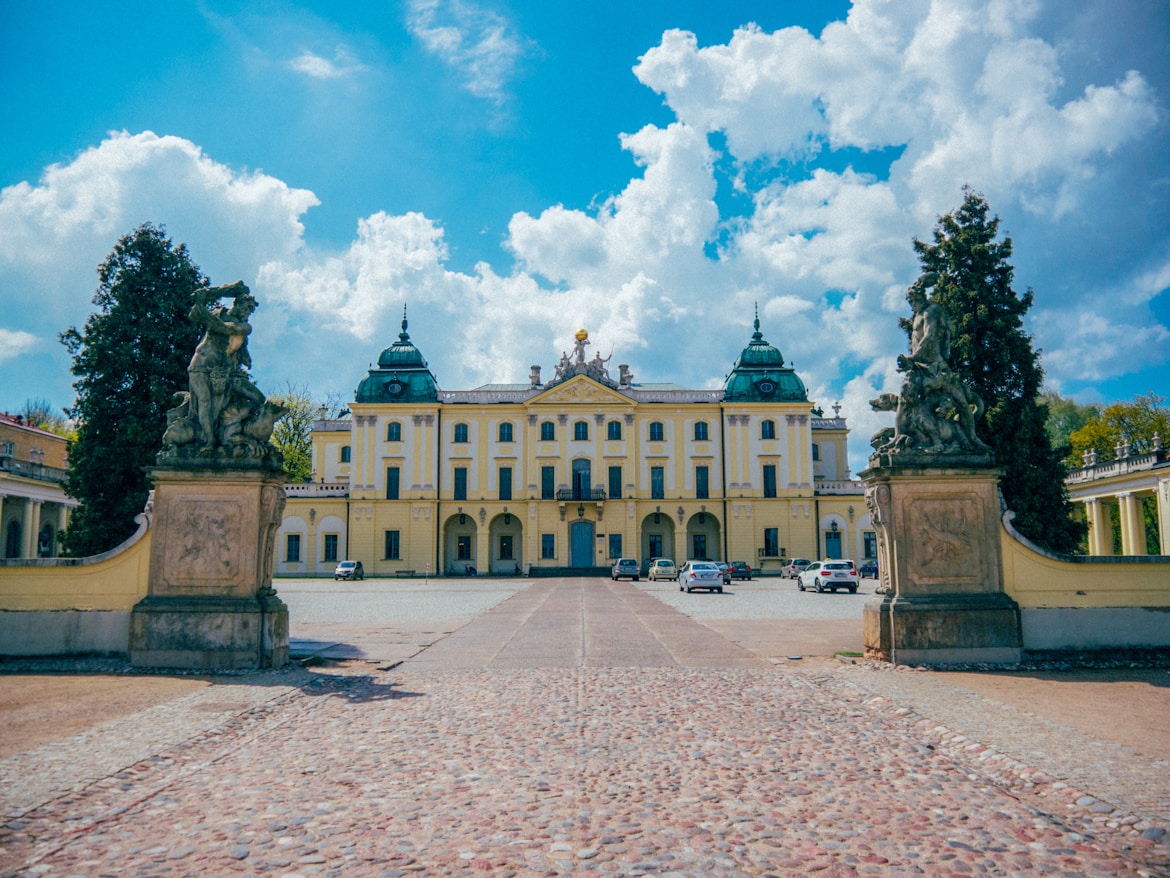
(580, 390)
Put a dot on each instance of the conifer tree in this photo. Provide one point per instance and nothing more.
(994, 355)
(130, 359)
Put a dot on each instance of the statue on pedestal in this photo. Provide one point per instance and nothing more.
(935, 411)
(223, 415)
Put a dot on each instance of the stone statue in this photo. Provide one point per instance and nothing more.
(935, 411)
(222, 415)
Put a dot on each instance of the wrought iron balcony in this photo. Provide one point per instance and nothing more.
(589, 495)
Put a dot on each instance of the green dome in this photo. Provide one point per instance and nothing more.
(759, 375)
(401, 376)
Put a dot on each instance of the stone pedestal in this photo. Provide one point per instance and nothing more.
(939, 555)
(210, 603)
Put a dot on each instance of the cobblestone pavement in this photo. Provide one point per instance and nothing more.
(570, 729)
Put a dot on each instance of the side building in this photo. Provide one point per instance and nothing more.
(570, 474)
(33, 506)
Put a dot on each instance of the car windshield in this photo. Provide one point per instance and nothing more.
(704, 566)
(839, 565)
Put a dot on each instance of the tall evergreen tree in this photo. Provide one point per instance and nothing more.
(130, 359)
(991, 352)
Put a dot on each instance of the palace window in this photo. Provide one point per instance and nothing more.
(505, 432)
(869, 542)
(330, 553)
(393, 478)
(548, 482)
(548, 546)
(394, 432)
(701, 431)
(771, 542)
(460, 432)
(580, 430)
(548, 431)
(656, 431)
(816, 451)
(614, 430)
(460, 483)
(698, 545)
(345, 451)
(768, 429)
(505, 483)
(393, 545)
(702, 482)
(657, 483)
(615, 483)
(769, 480)
(615, 545)
(505, 547)
(292, 548)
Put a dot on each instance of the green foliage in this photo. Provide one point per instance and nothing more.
(130, 359)
(292, 433)
(41, 414)
(1134, 422)
(1065, 417)
(994, 355)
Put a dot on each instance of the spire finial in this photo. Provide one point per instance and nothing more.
(404, 317)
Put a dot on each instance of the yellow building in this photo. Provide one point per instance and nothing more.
(572, 473)
(33, 506)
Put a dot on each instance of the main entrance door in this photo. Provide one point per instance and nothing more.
(581, 544)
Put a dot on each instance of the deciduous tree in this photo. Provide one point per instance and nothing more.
(994, 355)
(130, 359)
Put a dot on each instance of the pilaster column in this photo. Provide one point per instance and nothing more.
(32, 524)
(1100, 527)
(1133, 527)
(1164, 516)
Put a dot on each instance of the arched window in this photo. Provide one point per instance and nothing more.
(768, 429)
(460, 432)
(344, 457)
(816, 451)
(580, 430)
(548, 431)
(701, 431)
(394, 432)
(505, 432)
(614, 430)
(656, 431)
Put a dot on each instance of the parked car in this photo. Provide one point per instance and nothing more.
(724, 571)
(625, 568)
(662, 568)
(794, 568)
(831, 575)
(868, 570)
(700, 574)
(349, 570)
(741, 570)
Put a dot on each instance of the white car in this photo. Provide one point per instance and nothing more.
(700, 574)
(829, 575)
(662, 568)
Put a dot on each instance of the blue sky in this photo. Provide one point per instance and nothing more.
(511, 171)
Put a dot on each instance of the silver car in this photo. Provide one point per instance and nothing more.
(662, 568)
(700, 574)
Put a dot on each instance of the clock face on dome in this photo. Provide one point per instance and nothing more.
(766, 387)
(395, 388)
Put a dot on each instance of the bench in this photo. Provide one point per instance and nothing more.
(403, 573)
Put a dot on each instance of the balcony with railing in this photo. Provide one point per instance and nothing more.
(586, 495)
(39, 471)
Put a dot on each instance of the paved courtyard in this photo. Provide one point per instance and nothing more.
(580, 726)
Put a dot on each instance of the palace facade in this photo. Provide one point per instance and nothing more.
(572, 473)
(33, 506)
